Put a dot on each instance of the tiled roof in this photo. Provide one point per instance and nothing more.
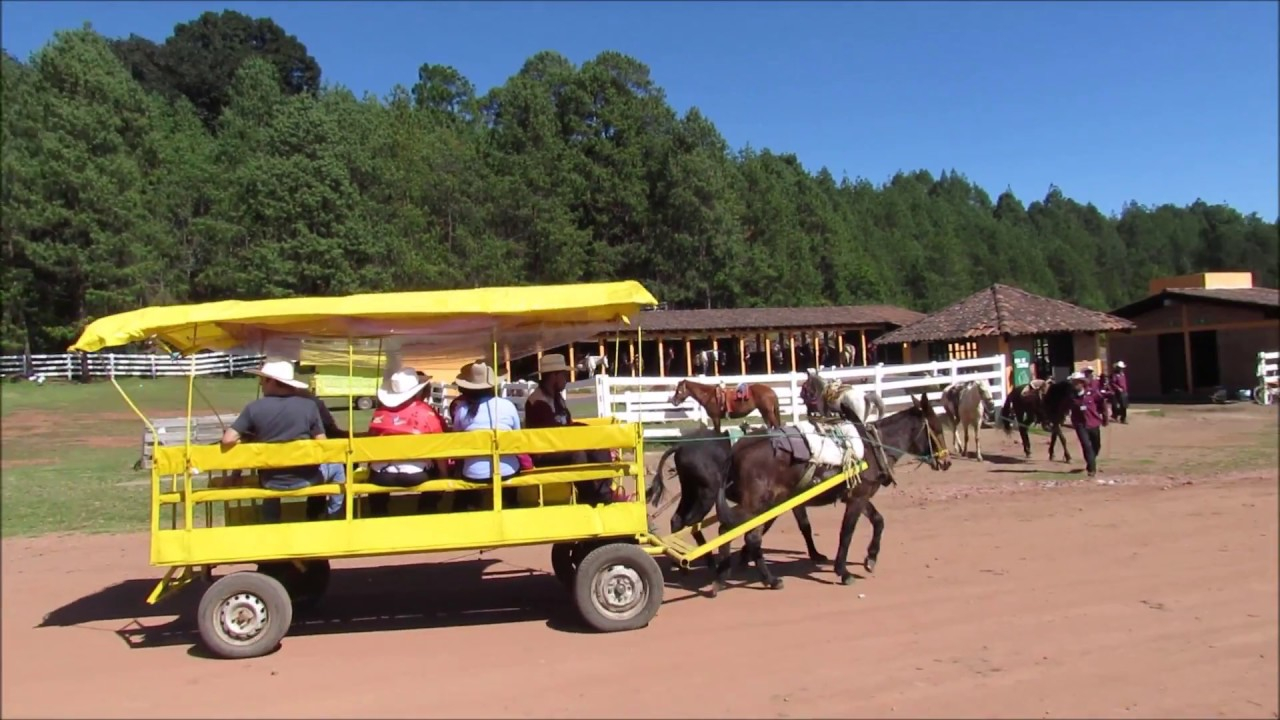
(1001, 310)
(1254, 297)
(767, 319)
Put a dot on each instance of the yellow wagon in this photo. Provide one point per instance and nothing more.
(205, 501)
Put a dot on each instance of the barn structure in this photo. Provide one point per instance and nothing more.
(663, 343)
(1055, 336)
(1196, 333)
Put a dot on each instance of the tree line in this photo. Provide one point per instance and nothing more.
(217, 165)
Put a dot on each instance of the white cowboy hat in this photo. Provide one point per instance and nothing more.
(1088, 368)
(1077, 376)
(476, 376)
(552, 363)
(1120, 364)
(400, 386)
(279, 370)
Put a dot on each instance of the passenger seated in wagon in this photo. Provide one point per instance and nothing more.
(479, 408)
(402, 410)
(546, 408)
(282, 415)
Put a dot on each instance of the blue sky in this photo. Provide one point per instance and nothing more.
(1148, 101)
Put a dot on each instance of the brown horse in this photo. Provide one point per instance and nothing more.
(760, 477)
(1039, 402)
(720, 402)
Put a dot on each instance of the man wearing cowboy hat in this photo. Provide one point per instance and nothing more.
(401, 411)
(546, 408)
(1088, 415)
(282, 415)
(1120, 394)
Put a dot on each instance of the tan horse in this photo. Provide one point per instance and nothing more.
(720, 403)
(961, 401)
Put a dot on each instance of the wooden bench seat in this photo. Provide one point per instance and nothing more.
(527, 478)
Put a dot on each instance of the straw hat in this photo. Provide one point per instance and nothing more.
(476, 376)
(400, 387)
(279, 370)
(552, 363)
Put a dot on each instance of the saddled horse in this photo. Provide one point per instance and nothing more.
(762, 472)
(960, 402)
(824, 398)
(1039, 402)
(739, 403)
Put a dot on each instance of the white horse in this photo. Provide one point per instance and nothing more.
(822, 396)
(705, 361)
(960, 401)
(594, 365)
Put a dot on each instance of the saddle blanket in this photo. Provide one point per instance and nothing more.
(827, 443)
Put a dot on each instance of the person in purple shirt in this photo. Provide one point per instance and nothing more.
(1120, 394)
(1088, 416)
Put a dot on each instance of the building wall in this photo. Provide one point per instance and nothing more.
(1087, 351)
(1238, 348)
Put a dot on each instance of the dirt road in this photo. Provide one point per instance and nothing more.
(993, 597)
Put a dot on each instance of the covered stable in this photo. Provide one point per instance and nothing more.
(668, 343)
(1196, 333)
(1040, 337)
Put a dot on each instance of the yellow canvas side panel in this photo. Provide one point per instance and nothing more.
(422, 447)
(563, 439)
(204, 458)
(390, 535)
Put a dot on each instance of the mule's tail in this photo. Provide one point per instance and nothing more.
(656, 486)
(878, 401)
(1007, 416)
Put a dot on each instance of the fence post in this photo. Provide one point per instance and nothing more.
(795, 397)
(69, 366)
(111, 366)
(153, 366)
(604, 404)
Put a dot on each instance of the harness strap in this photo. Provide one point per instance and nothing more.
(880, 456)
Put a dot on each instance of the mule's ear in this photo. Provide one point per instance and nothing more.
(914, 402)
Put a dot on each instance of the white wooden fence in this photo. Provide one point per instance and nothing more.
(71, 366)
(1268, 376)
(648, 399)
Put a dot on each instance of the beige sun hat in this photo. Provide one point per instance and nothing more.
(400, 387)
(281, 371)
(553, 362)
(476, 376)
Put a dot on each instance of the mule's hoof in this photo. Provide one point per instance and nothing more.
(716, 587)
(774, 584)
(869, 564)
(846, 579)
(818, 558)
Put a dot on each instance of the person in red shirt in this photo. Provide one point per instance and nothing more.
(1088, 416)
(402, 410)
(1120, 394)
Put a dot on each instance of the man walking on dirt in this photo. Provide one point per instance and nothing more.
(1088, 415)
(1120, 394)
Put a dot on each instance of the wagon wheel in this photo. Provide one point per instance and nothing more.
(364, 403)
(305, 587)
(244, 615)
(618, 587)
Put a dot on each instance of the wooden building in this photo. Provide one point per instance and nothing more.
(1060, 337)
(1195, 333)
(664, 343)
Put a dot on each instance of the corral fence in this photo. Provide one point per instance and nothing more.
(1268, 377)
(73, 366)
(648, 399)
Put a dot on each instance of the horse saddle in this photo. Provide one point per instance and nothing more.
(791, 441)
(1033, 388)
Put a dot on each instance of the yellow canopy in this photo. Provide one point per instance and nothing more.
(437, 324)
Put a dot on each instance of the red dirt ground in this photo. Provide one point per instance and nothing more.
(994, 597)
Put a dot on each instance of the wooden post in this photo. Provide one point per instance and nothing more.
(573, 367)
(862, 346)
(1186, 346)
(631, 346)
(792, 336)
(768, 355)
(715, 350)
(742, 354)
(1008, 359)
(688, 357)
(602, 349)
(662, 359)
(906, 353)
(817, 349)
(840, 345)
(506, 355)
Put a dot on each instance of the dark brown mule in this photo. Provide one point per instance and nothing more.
(1042, 403)
(759, 478)
(721, 402)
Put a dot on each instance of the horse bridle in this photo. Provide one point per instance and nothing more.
(934, 442)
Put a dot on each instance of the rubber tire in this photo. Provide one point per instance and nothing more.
(266, 588)
(631, 556)
(364, 403)
(564, 562)
(305, 588)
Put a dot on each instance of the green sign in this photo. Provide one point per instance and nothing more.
(1021, 367)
